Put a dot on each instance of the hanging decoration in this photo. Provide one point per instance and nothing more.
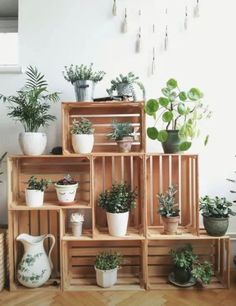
(166, 40)
(138, 42)
(186, 18)
(114, 8)
(153, 61)
(196, 10)
(125, 22)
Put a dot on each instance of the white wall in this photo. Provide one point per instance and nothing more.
(59, 32)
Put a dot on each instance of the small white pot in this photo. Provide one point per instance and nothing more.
(32, 143)
(117, 223)
(77, 228)
(66, 193)
(34, 198)
(83, 143)
(106, 278)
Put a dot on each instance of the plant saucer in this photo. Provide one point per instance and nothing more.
(190, 283)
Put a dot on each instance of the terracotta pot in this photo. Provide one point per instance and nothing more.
(170, 225)
(125, 144)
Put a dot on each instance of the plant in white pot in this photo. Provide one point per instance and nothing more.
(106, 266)
(123, 134)
(76, 220)
(66, 190)
(118, 202)
(30, 106)
(34, 193)
(82, 136)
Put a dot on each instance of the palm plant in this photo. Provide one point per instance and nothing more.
(31, 104)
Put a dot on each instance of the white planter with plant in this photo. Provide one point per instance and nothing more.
(82, 136)
(117, 202)
(178, 112)
(84, 79)
(123, 134)
(30, 107)
(66, 190)
(76, 220)
(34, 193)
(106, 266)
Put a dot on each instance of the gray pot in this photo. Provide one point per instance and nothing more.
(84, 90)
(171, 145)
(124, 89)
(216, 226)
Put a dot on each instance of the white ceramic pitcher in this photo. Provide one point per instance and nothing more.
(35, 267)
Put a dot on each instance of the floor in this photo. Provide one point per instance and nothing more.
(189, 297)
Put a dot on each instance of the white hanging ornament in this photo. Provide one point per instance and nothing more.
(196, 11)
(153, 61)
(139, 42)
(114, 9)
(166, 40)
(186, 19)
(125, 23)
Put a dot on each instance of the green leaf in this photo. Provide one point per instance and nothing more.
(162, 136)
(151, 106)
(185, 145)
(172, 84)
(166, 92)
(164, 101)
(173, 96)
(181, 108)
(167, 116)
(195, 94)
(152, 133)
(206, 140)
(183, 96)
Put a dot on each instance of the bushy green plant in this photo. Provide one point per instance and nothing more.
(32, 103)
(108, 260)
(35, 184)
(167, 206)
(202, 271)
(177, 110)
(216, 207)
(75, 73)
(1, 160)
(119, 199)
(121, 130)
(83, 126)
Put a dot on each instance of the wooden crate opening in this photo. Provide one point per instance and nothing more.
(162, 172)
(102, 114)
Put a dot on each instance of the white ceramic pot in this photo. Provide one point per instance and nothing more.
(77, 228)
(83, 143)
(34, 198)
(66, 193)
(117, 223)
(106, 278)
(32, 143)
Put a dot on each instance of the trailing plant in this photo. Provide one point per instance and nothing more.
(83, 126)
(119, 199)
(108, 260)
(1, 160)
(66, 180)
(167, 206)
(202, 272)
(216, 207)
(129, 80)
(121, 130)
(35, 184)
(177, 110)
(75, 73)
(30, 106)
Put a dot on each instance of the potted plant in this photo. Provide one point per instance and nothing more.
(66, 190)
(179, 111)
(169, 210)
(82, 136)
(84, 79)
(34, 193)
(117, 202)
(106, 266)
(30, 106)
(124, 86)
(216, 212)
(122, 133)
(76, 220)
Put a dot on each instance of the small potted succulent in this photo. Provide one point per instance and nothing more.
(169, 210)
(34, 193)
(216, 212)
(84, 79)
(82, 136)
(124, 86)
(123, 134)
(106, 266)
(66, 190)
(179, 113)
(76, 220)
(117, 202)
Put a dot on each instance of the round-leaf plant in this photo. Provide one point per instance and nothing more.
(177, 110)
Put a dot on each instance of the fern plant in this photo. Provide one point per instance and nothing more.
(31, 104)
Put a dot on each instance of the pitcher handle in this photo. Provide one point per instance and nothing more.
(50, 251)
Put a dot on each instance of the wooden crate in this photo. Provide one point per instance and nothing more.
(79, 259)
(163, 170)
(109, 169)
(102, 114)
(214, 250)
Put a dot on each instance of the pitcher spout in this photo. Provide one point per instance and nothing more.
(26, 238)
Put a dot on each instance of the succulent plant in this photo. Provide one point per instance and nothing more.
(121, 130)
(76, 218)
(83, 126)
(67, 180)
